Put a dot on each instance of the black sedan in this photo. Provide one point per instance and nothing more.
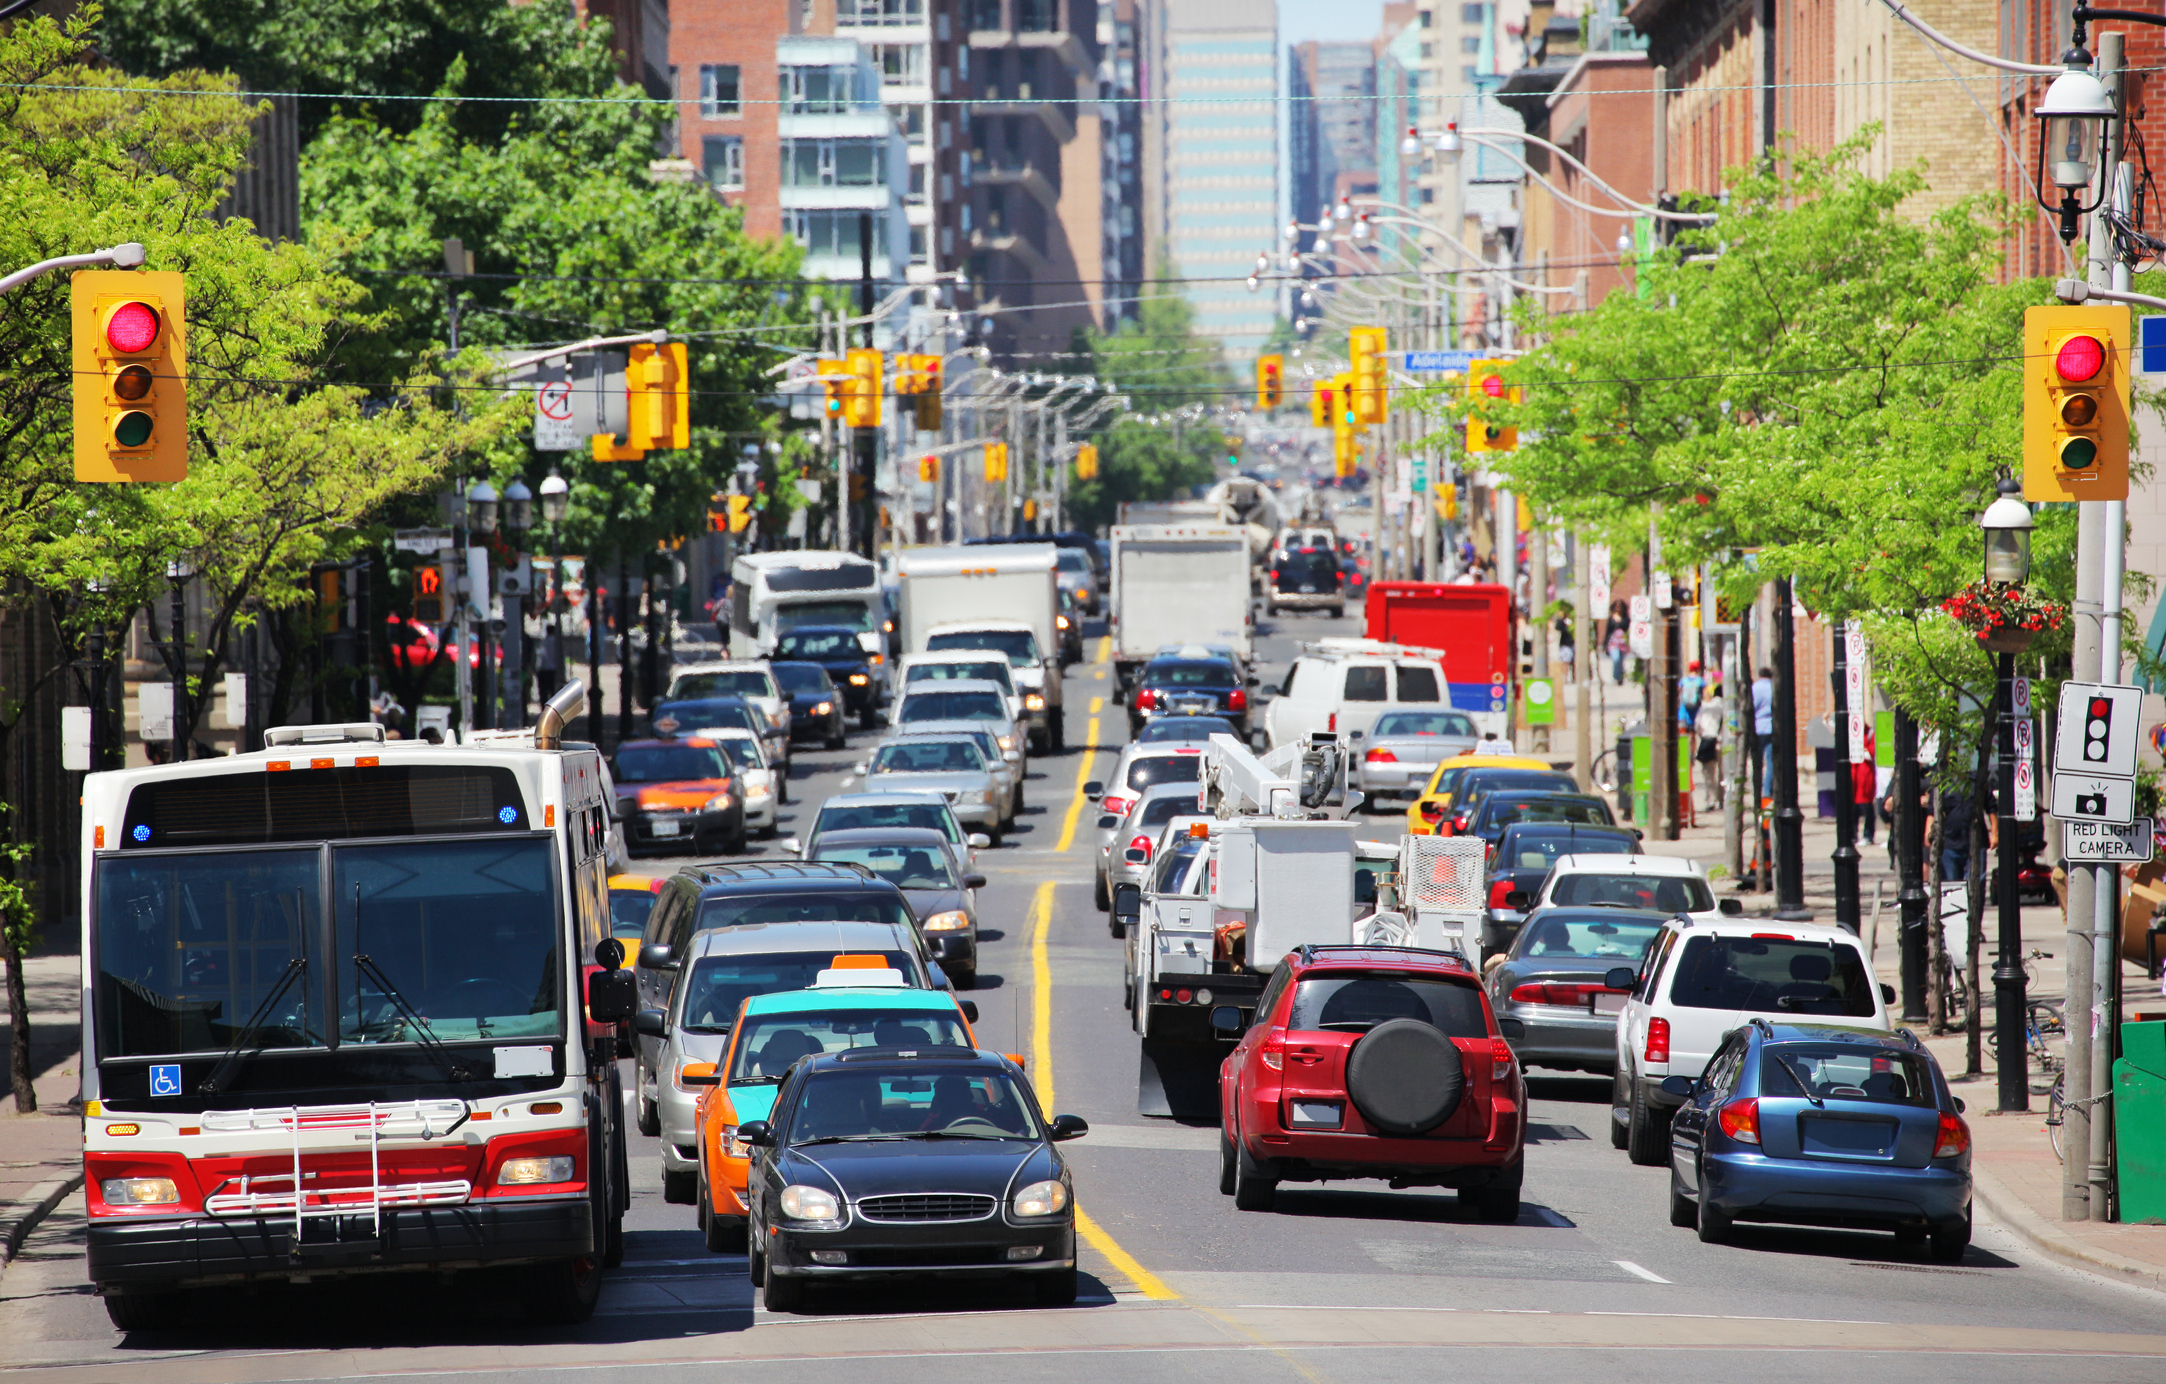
(1188, 687)
(853, 671)
(816, 705)
(924, 865)
(1495, 811)
(906, 1164)
(1524, 853)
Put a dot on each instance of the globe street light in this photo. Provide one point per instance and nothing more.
(2007, 526)
(481, 506)
(556, 497)
(518, 508)
(2072, 123)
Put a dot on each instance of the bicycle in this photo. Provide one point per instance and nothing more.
(2057, 1114)
(1603, 772)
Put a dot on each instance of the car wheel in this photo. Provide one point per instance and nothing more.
(1059, 717)
(1103, 900)
(1225, 1164)
(1055, 1289)
(1950, 1241)
(565, 1291)
(1683, 1213)
(836, 741)
(784, 1294)
(682, 1189)
(1496, 1202)
(755, 1261)
(650, 1119)
(722, 1237)
(1619, 1085)
(146, 1311)
(1714, 1226)
(994, 835)
(1252, 1191)
(868, 719)
(965, 978)
(1338, 612)
(738, 842)
(1647, 1137)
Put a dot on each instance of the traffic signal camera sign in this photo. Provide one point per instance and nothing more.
(131, 375)
(2075, 402)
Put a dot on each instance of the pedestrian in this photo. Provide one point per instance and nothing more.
(1617, 638)
(1707, 725)
(1565, 647)
(1863, 779)
(1763, 727)
(1956, 812)
(1690, 688)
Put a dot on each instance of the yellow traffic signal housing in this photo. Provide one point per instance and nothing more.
(1321, 414)
(660, 414)
(929, 393)
(996, 461)
(740, 513)
(1270, 391)
(830, 373)
(2075, 402)
(929, 469)
(1345, 452)
(1342, 403)
(1086, 462)
(131, 375)
(1371, 384)
(1484, 383)
(867, 371)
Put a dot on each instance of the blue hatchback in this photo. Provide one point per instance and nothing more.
(1817, 1124)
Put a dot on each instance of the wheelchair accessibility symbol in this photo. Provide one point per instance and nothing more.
(165, 1080)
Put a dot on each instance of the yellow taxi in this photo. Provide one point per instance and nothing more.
(631, 899)
(1430, 813)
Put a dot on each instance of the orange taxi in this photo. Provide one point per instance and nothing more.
(678, 797)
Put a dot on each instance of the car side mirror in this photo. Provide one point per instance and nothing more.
(940, 976)
(793, 845)
(1677, 1086)
(1356, 734)
(1516, 898)
(656, 956)
(1096, 788)
(609, 954)
(1254, 681)
(863, 766)
(699, 1074)
(1959, 1106)
(1621, 978)
(1512, 1030)
(1066, 1127)
(978, 840)
(651, 1023)
(759, 1134)
(1108, 820)
(969, 1008)
(1887, 993)
(612, 996)
(974, 881)
(1226, 1018)
(1731, 908)
(1127, 902)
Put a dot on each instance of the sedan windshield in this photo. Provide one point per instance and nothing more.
(1197, 674)
(743, 682)
(1504, 809)
(929, 757)
(628, 910)
(688, 718)
(1587, 934)
(1423, 723)
(803, 677)
(669, 763)
(1156, 812)
(1152, 770)
(771, 1042)
(1019, 647)
(825, 644)
(905, 867)
(954, 706)
(719, 985)
(845, 1106)
(1670, 893)
(1538, 849)
(934, 816)
(989, 671)
(1185, 729)
(1357, 1003)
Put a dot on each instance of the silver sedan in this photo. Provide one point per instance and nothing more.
(1134, 840)
(1551, 984)
(1007, 764)
(951, 766)
(1404, 748)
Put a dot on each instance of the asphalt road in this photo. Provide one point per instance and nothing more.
(1344, 1283)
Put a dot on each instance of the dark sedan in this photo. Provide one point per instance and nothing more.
(853, 671)
(1464, 789)
(1188, 687)
(1553, 984)
(816, 705)
(1495, 811)
(880, 1163)
(1521, 861)
(926, 867)
(1306, 579)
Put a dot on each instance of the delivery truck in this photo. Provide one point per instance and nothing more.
(1470, 627)
(1001, 598)
(1177, 584)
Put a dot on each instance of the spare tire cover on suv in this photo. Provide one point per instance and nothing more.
(1405, 1077)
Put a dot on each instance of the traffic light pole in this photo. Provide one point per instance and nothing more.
(2011, 1056)
(1845, 859)
(1789, 822)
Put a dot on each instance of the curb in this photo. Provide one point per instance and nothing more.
(2045, 1237)
(17, 1221)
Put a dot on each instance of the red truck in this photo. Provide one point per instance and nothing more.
(1471, 628)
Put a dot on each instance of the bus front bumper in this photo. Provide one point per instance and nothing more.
(145, 1255)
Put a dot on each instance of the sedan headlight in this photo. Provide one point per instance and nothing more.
(1007, 744)
(520, 1172)
(720, 802)
(858, 679)
(1033, 702)
(801, 1203)
(1040, 1199)
(954, 920)
(138, 1191)
(983, 795)
(823, 708)
(758, 790)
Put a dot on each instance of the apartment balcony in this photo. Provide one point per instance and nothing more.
(1003, 242)
(1024, 175)
(1048, 112)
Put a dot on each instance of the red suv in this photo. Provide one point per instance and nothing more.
(1372, 1062)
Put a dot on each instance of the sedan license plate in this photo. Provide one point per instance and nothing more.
(1194, 708)
(1839, 1138)
(1607, 1004)
(663, 826)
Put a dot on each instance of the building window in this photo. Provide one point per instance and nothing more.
(1471, 14)
(723, 157)
(918, 243)
(868, 13)
(917, 181)
(901, 64)
(947, 242)
(719, 94)
(834, 232)
(1427, 16)
(1472, 43)
(818, 90)
(1428, 50)
(833, 163)
(945, 136)
(912, 120)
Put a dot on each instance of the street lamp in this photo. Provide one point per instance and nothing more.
(556, 498)
(518, 509)
(1447, 143)
(2007, 526)
(481, 506)
(2072, 123)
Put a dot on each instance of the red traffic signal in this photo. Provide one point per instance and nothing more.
(132, 328)
(2080, 358)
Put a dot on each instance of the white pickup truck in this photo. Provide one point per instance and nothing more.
(996, 597)
(1177, 584)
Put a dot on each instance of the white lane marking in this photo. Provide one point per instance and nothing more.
(1739, 1317)
(1631, 1268)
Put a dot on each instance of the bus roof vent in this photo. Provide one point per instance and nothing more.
(349, 733)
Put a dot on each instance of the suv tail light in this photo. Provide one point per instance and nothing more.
(1740, 1119)
(1143, 844)
(1500, 1060)
(1380, 755)
(1145, 698)
(1954, 1136)
(1237, 699)
(1658, 1040)
(1497, 890)
(1273, 1050)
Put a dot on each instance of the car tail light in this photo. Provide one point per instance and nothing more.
(1116, 802)
(1237, 700)
(1774, 937)
(1331, 722)
(1143, 844)
(1381, 755)
(1459, 822)
(1658, 1040)
(1740, 1119)
(1954, 1136)
(1556, 992)
(1500, 1060)
(1273, 1050)
(1497, 890)
(1432, 812)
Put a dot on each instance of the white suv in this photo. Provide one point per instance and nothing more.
(1665, 883)
(1341, 686)
(1698, 981)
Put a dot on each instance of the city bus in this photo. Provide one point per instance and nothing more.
(351, 1007)
(773, 593)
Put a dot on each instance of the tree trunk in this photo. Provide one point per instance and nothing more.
(26, 1095)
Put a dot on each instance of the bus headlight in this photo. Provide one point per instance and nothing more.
(138, 1191)
(523, 1172)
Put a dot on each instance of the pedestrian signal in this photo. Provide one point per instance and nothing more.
(131, 375)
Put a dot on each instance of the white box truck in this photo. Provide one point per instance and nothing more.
(990, 596)
(1177, 584)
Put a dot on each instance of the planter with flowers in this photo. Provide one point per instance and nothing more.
(2003, 618)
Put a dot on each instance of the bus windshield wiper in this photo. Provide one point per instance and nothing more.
(365, 965)
(231, 1062)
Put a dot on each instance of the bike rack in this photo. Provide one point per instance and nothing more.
(423, 1119)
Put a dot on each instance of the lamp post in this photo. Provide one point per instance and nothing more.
(481, 506)
(518, 520)
(556, 497)
(2072, 124)
(1789, 822)
(2007, 525)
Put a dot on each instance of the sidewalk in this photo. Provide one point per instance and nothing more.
(41, 1154)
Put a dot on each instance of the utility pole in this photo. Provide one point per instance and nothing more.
(1585, 649)
(865, 440)
(1537, 601)
(1789, 822)
(1846, 809)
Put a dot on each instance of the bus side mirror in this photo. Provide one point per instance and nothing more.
(612, 996)
(609, 954)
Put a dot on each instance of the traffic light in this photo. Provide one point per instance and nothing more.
(929, 469)
(1345, 452)
(740, 513)
(428, 605)
(1371, 385)
(659, 417)
(867, 371)
(833, 382)
(1269, 392)
(929, 389)
(2075, 402)
(1485, 383)
(996, 461)
(131, 375)
(1342, 402)
(1320, 411)
(1086, 462)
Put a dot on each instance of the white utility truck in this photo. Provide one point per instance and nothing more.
(772, 593)
(1177, 584)
(997, 597)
